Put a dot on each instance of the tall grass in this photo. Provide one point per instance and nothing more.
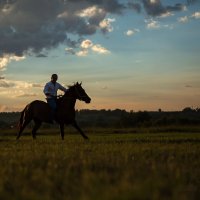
(108, 166)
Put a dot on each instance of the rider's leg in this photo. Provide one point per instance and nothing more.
(52, 104)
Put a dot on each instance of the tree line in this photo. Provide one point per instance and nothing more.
(120, 118)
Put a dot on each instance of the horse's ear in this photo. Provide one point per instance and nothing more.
(77, 83)
(81, 83)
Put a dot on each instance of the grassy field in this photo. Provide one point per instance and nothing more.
(108, 166)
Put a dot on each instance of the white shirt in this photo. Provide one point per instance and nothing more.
(52, 89)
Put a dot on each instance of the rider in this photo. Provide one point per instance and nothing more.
(50, 90)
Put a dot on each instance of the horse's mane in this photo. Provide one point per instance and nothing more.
(71, 86)
(60, 97)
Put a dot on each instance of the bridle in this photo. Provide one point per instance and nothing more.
(79, 95)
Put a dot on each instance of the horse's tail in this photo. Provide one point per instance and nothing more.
(21, 120)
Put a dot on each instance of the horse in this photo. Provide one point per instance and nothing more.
(39, 111)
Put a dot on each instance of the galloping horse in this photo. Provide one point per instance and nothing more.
(39, 111)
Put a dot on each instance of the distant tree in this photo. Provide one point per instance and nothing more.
(188, 109)
(142, 116)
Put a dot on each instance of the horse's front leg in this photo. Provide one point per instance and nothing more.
(62, 130)
(75, 125)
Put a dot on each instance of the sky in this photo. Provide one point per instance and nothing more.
(129, 54)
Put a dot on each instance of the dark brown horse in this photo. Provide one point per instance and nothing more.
(39, 111)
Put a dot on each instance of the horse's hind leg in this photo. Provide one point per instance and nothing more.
(36, 127)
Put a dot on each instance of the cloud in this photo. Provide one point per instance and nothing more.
(27, 95)
(156, 8)
(6, 59)
(91, 12)
(32, 26)
(70, 51)
(41, 55)
(167, 14)
(152, 24)
(6, 108)
(191, 1)
(99, 49)
(37, 85)
(188, 86)
(18, 84)
(135, 6)
(105, 25)
(35, 25)
(183, 19)
(196, 15)
(87, 46)
(83, 52)
(131, 32)
(6, 84)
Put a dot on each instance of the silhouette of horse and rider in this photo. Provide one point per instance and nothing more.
(61, 110)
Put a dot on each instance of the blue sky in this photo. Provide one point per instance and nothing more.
(142, 59)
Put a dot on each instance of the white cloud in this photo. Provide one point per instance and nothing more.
(131, 32)
(14, 89)
(6, 59)
(152, 24)
(99, 49)
(167, 14)
(153, 1)
(21, 85)
(37, 85)
(23, 94)
(90, 11)
(85, 44)
(169, 26)
(63, 15)
(105, 25)
(82, 52)
(196, 15)
(183, 19)
(70, 51)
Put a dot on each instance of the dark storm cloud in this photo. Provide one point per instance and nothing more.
(32, 26)
(135, 6)
(35, 25)
(191, 1)
(157, 8)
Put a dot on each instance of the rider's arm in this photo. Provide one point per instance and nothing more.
(62, 88)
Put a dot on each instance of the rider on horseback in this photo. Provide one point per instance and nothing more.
(50, 90)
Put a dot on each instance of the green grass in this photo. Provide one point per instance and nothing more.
(107, 167)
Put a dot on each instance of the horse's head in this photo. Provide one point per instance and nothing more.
(79, 92)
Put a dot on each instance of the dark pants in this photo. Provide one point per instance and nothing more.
(53, 106)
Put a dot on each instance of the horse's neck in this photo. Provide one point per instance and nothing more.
(68, 101)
